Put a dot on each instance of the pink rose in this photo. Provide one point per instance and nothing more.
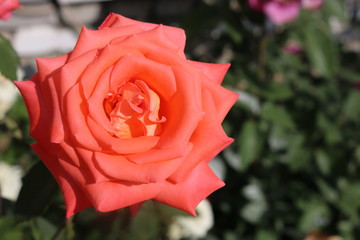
(6, 6)
(125, 118)
(283, 11)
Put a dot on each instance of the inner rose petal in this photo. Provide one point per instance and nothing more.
(133, 110)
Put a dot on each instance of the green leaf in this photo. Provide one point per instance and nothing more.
(8, 60)
(234, 33)
(351, 106)
(148, 220)
(9, 229)
(335, 8)
(250, 144)
(315, 215)
(42, 229)
(349, 201)
(266, 235)
(277, 91)
(321, 48)
(298, 155)
(328, 192)
(357, 153)
(278, 138)
(349, 75)
(347, 230)
(38, 189)
(323, 162)
(330, 130)
(277, 115)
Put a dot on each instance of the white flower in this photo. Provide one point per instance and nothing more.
(8, 95)
(193, 227)
(10, 181)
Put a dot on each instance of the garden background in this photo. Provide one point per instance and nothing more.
(293, 169)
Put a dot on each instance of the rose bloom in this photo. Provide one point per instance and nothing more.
(283, 11)
(6, 6)
(125, 118)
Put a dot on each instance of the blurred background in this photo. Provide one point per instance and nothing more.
(293, 171)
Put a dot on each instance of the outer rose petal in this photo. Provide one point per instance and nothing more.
(75, 199)
(176, 35)
(183, 118)
(282, 13)
(108, 196)
(222, 99)
(119, 167)
(188, 194)
(47, 66)
(206, 145)
(116, 26)
(40, 111)
(215, 72)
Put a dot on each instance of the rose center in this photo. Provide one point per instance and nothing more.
(133, 110)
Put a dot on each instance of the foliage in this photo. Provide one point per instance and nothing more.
(295, 165)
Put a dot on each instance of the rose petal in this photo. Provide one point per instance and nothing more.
(109, 196)
(114, 20)
(223, 99)
(118, 167)
(170, 58)
(47, 66)
(75, 199)
(96, 101)
(68, 152)
(214, 72)
(187, 194)
(158, 155)
(204, 151)
(70, 72)
(182, 119)
(105, 59)
(33, 101)
(120, 145)
(54, 122)
(100, 38)
(104, 35)
(74, 115)
(87, 167)
(166, 37)
(175, 35)
(41, 112)
(160, 78)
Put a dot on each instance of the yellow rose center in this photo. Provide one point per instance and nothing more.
(133, 110)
